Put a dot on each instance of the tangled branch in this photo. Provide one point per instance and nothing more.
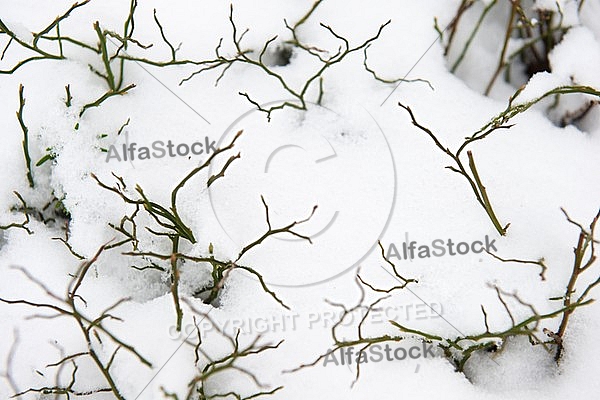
(91, 328)
(500, 121)
(243, 56)
(347, 313)
(174, 228)
(210, 367)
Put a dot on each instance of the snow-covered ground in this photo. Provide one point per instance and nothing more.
(351, 151)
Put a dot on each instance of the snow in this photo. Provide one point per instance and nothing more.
(373, 175)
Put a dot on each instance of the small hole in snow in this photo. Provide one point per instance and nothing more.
(281, 56)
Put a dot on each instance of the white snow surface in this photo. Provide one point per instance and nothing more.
(357, 157)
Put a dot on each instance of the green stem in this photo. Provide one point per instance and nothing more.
(25, 137)
(175, 280)
(484, 197)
